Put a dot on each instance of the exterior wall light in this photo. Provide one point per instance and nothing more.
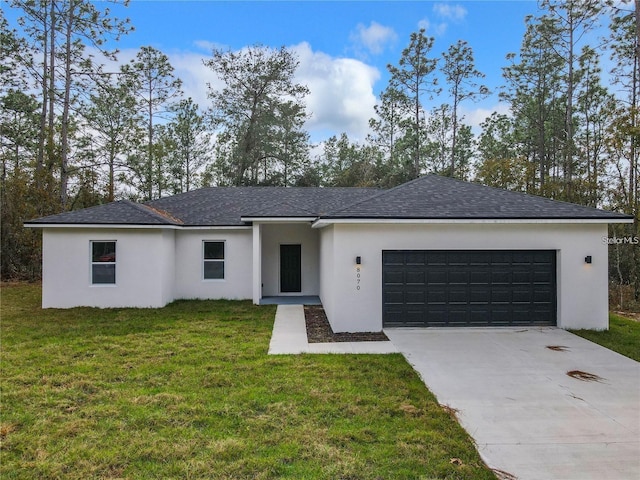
(358, 260)
(587, 259)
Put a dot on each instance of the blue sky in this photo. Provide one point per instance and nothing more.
(343, 47)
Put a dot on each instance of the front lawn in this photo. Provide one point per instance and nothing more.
(623, 336)
(188, 391)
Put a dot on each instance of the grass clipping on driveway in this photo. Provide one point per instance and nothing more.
(188, 391)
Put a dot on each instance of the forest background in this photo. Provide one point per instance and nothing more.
(77, 132)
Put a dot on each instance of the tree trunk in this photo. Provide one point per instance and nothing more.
(568, 173)
(150, 144)
(455, 131)
(43, 111)
(64, 140)
(52, 86)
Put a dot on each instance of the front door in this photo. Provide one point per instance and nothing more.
(290, 268)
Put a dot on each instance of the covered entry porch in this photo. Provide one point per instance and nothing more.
(286, 266)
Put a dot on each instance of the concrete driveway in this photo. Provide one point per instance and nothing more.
(527, 416)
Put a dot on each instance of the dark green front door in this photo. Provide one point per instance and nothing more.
(290, 268)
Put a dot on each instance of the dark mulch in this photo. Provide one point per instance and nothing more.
(319, 329)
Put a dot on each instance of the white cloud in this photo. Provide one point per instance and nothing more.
(195, 76)
(341, 97)
(374, 37)
(437, 30)
(475, 116)
(450, 11)
(188, 67)
(208, 46)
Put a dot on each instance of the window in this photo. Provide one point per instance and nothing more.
(213, 260)
(103, 262)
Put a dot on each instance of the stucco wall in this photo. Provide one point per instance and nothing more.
(144, 268)
(189, 282)
(274, 235)
(327, 258)
(582, 288)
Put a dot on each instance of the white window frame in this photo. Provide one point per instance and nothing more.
(222, 260)
(92, 263)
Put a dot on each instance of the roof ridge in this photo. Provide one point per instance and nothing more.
(156, 213)
(374, 196)
(274, 203)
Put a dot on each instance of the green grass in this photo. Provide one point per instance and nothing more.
(188, 391)
(623, 336)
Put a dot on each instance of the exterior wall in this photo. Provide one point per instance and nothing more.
(274, 235)
(189, 278)
(582, 299)
(327, 255)
(144, 268)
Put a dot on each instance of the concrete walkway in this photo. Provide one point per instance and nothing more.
(290, 337)
(526, 415)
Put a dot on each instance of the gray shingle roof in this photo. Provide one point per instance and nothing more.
(215, 206)
(115, 213)
(436, 197)
(428, 197)
(226, 205)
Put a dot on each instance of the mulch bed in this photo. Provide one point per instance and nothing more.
(319, 330)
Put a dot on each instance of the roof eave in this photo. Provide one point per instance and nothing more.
(101, 225)
(133, 226)
(280, 219)
(324, 221)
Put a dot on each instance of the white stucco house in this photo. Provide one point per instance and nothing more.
(431, 252)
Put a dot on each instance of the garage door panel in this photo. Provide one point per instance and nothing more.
(458, 295)
(458, 277)
(415, 297)
(437, 296)
(500, 258)
(501, 317)
(522, 276)
(480, 295)
(500, 276)
(542, 296)
(436, 258)
(543, 277)
(477, 259)
(414, 258)
(500, 295)
(391, 277)
(393, 258)
(480, 276)
(415, 277)
(436, 277)
(522, 258)
(522, 296)
(469, 288)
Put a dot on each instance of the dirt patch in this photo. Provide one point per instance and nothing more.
(584, 376)
(635, 316)
(319, 330)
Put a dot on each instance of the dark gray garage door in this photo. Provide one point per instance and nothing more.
(435, 288)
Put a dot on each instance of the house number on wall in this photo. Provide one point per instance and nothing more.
(357, 278)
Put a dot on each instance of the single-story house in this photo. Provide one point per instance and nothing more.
(432, 252)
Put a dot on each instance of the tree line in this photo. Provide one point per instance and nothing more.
(76, 135)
